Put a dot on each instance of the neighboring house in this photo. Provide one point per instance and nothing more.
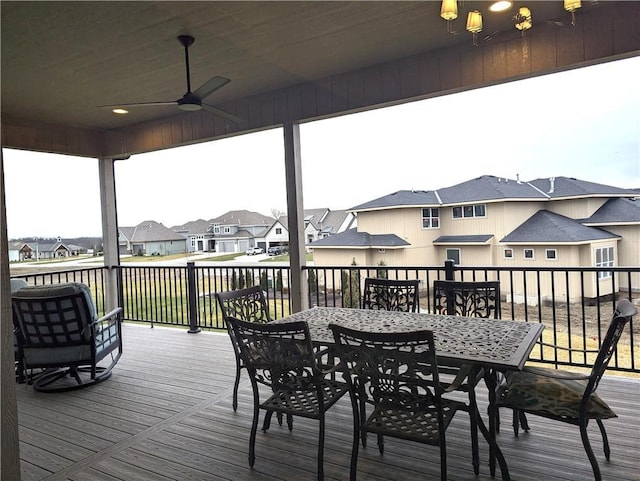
(237, 230)
(495, 221)
(57, 250)
(20, 251)
(151, 238)
(318, 224)
(199, 239)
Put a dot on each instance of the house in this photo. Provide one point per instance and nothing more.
(20, 251)
(150, 238)
(55, 250)
(237, 230)
(199, 238)
(318, 224)
(496, 221)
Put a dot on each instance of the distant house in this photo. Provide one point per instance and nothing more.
(20, 251)
(199, 237)
(318, 224)
(237, 230)
(54, 250)
(497, 222)
(151, 238)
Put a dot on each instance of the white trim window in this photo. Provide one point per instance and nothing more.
(551, 254)
(278, 230)
(227, 230)
(604, 258)
(508, 253)
(469, 211)
(430, 218)
(454, 255)
(528, 254)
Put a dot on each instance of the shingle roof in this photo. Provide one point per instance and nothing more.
(491, 188)
(616, 211)
(242, 217)
(152, 231)
(548, 227)
(193, 227)
(354, 239)
(463, 239)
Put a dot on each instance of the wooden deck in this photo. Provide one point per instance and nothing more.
(166, 414)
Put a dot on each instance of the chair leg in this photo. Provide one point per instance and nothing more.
(363, 420)
(356, 439)
(443, 458)
(587, 447)
(254, 425)
(605, 440)
(524, 423)
(516, 422)
(473, 422)
(321, 449)
(236, 384)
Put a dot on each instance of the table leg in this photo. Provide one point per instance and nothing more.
(490, 379)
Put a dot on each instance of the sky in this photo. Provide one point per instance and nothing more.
(583, 123)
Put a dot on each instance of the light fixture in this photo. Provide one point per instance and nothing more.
(572, 6)
(501, 6)
(474, 24)
(523, 19)
(449, 11)
(120, 111)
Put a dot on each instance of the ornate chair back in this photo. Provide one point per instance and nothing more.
(466, 298)
(391, 295)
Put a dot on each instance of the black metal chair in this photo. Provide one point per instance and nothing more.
(281, 357)
(58, 330)
(248, 305)
(391, 294)
(397, 373)
(566, 396)
(469, 299)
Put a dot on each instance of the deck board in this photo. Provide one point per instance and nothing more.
(166, 414)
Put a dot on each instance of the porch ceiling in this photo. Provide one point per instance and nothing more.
(60, 60)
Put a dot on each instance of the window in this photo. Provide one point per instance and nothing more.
(528, 254)
(477, 210)
(604, 258)
(454, 255)
(278, 230)
(227, 230)
(431, 218)
(216, 229)
(193, 242)
(551, 254)
(508, 253)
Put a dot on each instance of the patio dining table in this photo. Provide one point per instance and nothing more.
(492, 345)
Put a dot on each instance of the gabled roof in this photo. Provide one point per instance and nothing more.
(242, 217)
(489, 188)
(354, 239)
(616, 211)
(548, 227)
(127, 232)
(559, 187)
(193, 227)
(152, 231)
(336, 221)
(463, 239)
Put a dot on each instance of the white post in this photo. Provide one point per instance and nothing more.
(109, 230)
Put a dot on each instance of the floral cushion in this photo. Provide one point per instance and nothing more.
(552, 396)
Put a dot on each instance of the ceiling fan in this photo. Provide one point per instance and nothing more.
(190, 101)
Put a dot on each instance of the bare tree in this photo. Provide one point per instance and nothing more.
(277, 213)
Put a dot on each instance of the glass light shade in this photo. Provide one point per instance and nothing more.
(524, 21)
(572, 5)
(449, 9)
(474, 21)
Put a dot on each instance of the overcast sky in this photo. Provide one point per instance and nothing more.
(583, 123)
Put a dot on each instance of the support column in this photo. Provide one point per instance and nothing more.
(298, 294)
(10, 451)
(109, 231)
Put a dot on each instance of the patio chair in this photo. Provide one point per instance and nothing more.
(58, 330)
(17, 284)
(248, 305)
(469, 299)
(281, 357)
(397, 373)
(390, 295)
(566, 396)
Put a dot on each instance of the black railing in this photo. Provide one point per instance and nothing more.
(574, 304)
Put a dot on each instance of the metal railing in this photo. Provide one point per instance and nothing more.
(574, 304)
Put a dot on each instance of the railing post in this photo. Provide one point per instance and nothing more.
(191, 294)
(449, 270)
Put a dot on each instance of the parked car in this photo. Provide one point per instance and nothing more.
(254, 250)
(275, 250)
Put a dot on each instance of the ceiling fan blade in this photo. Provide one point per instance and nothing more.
(223, 114)
(210, 86)
(140, 104)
